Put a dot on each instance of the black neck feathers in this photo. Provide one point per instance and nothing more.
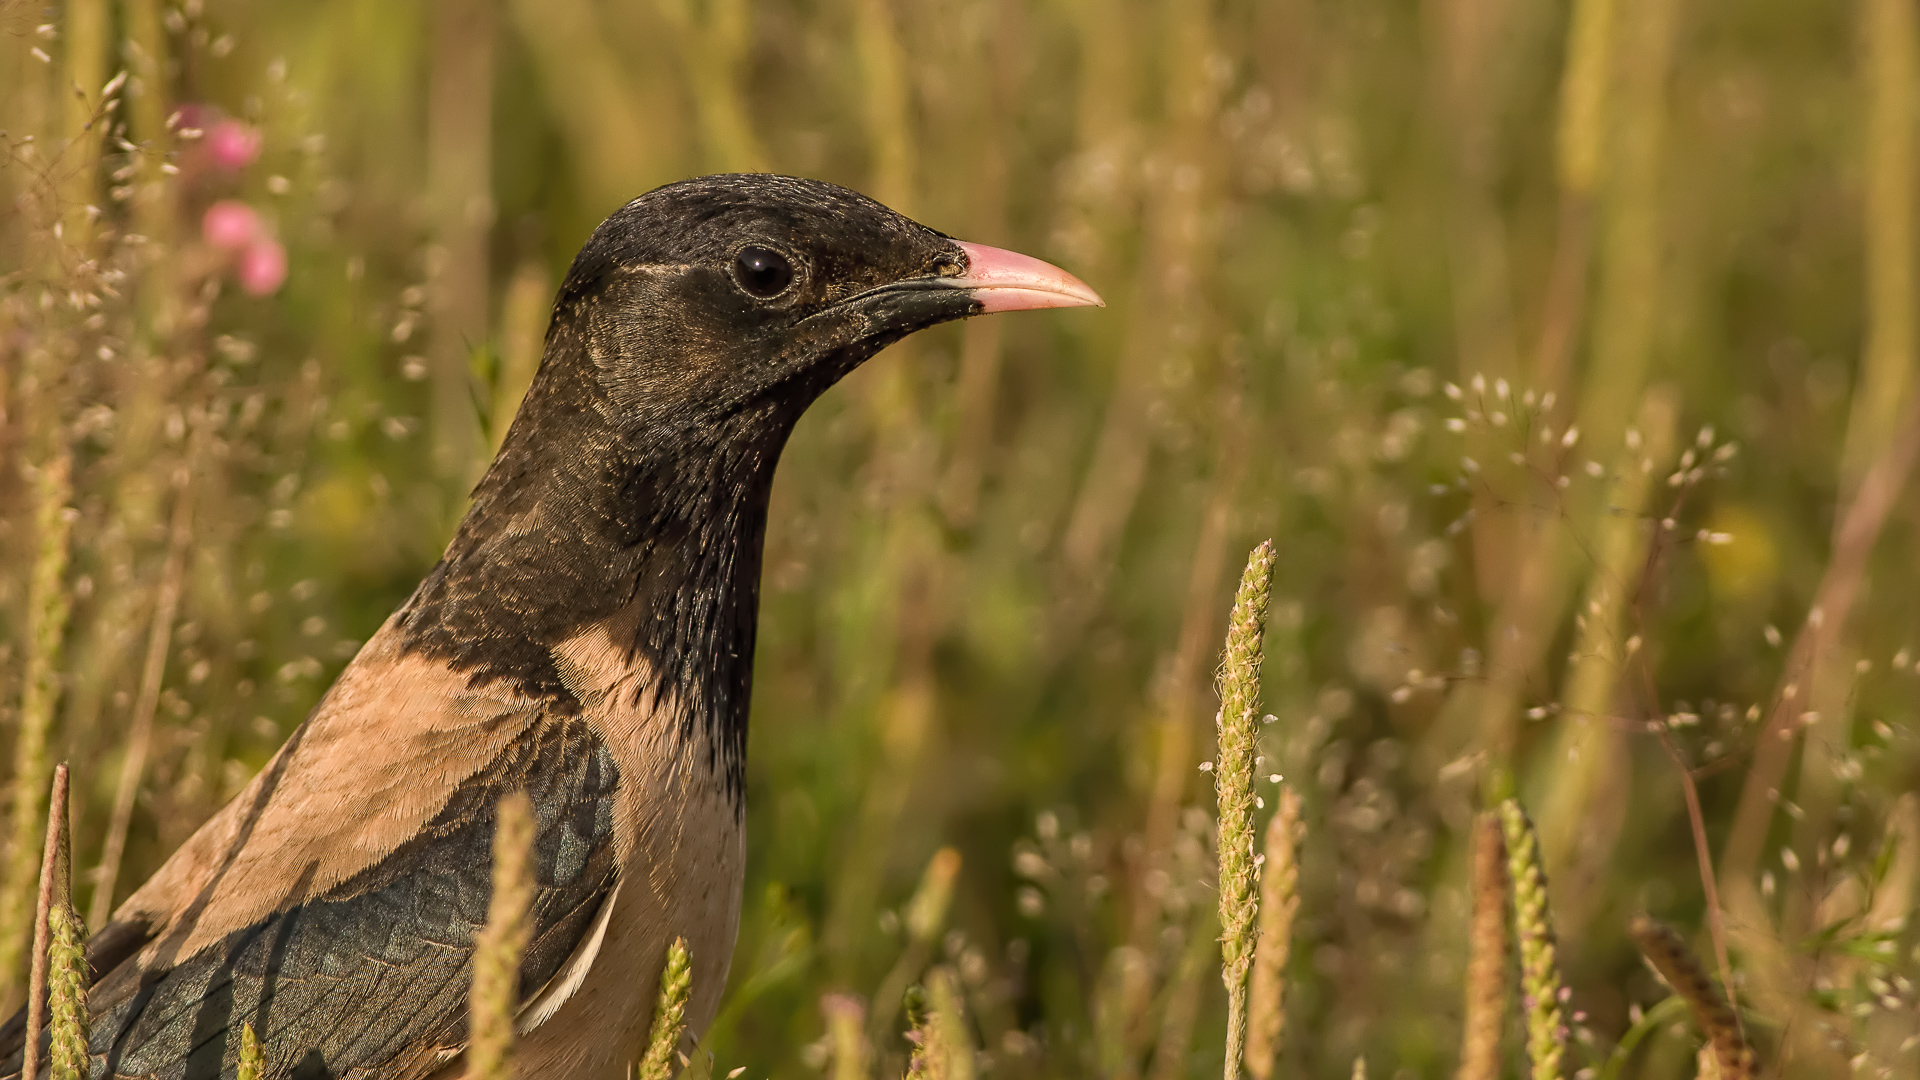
(583, 519)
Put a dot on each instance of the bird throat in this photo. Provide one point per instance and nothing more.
(656, 530)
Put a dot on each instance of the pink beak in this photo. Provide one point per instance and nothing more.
(1009, 281)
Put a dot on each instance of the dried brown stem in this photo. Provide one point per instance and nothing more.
(166, 607)
(53, 878)
(1703, 856)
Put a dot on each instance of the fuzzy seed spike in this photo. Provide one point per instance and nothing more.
(253, 1062)
(498, 947)
(1487, 960)
(921, 1061)
(1279, 902)
(669, 1015)
(67, 993)
(1233, 783)
(1676, 963)
(48, 605)
(1533, 926)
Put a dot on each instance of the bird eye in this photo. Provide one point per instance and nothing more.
(762, 273)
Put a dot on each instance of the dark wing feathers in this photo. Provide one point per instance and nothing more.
(367, 975)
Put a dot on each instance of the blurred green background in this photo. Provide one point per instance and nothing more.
(1366, 263)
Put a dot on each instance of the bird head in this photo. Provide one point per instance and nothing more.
(752, 293)
(631, 491)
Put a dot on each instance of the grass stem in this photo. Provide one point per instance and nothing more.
(53, 892)
(166, 609)
(1887, 38)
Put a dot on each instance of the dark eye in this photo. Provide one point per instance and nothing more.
(762, 273)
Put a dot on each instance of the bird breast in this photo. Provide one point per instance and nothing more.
(680, 849)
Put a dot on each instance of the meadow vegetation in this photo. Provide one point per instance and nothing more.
(1564, 351)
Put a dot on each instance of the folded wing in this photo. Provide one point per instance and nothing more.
(333, 903)
(373, 975)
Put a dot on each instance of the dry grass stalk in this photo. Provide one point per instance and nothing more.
(1631, 272)
(166, 609)
(669, 1015)
(1583, 94)
(54, 891)
(1533, 926)
(1887, 38)
(48, 605)
(1681, 969)
(888, 101)
(253, 1061)
(1360, 1067)
(1279, 901)
(1486, 1006)
(1233, 783)
(1581, 133)
(87, 27)
(498, 948)
(846, 1020)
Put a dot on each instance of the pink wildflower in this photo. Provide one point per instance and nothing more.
(230, 225)
(263, 267)
(233, 145)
